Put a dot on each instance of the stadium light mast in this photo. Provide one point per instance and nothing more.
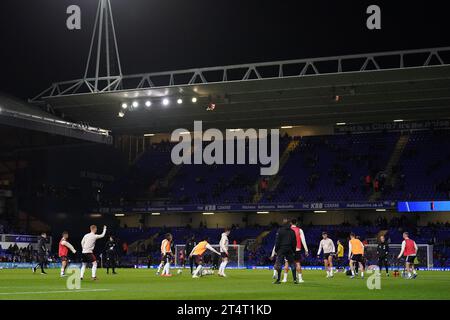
(104, 32)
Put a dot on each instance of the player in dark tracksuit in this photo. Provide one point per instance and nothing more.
(111, 255)
(42, 253)
(285, 245)
(190, 244)
(383, 254)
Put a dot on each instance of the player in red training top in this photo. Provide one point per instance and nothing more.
(301, 244)
(63, 250)
(409, 251)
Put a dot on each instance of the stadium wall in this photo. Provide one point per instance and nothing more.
(220, 220)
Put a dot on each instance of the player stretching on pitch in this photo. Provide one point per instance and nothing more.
(197, 254)
(409, 250)
(166, 256)
(328, 250)
(355, 254)
(63, 251)
(88, 245)
(224, 252)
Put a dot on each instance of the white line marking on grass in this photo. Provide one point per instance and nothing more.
(61, 291)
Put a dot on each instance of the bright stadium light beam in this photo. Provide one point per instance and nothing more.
(165, 102)
(262, 212)
(156, 213)
(208, 213)
(121, 114)
(148, 104)
(135, 104)
(119, 215)
(320, 211)
(124, 106)
(180, 101)
(194, 100)
(399, 120)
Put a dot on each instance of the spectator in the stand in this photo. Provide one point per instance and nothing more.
(125, 248)
(376, 185)
(264, 184)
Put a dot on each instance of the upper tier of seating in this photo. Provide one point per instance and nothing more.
(345, 167)
(423, 172)
(332, 168)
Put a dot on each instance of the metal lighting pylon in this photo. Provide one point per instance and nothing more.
(106, 73)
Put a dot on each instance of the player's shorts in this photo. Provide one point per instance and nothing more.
(224, 255)
(283, 255)
(410, 259)
(327, 255)
(88, 258)
(357, 258)
(166, 257)
(298, 257)
(64, 258)
(198, 259)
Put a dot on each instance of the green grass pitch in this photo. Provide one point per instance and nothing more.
(240, 285)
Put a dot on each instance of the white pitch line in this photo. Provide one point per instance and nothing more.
(47, 292)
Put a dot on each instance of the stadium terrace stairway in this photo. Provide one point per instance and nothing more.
(217, 183)
(393, 162)
(273, 181)
(423, 170)
(259, 240)
(170, 177)
(145, 174)
(332, 168)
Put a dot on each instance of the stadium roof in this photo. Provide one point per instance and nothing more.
(409, 85)
(17, 113)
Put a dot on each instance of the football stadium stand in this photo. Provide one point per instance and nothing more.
(341, 167)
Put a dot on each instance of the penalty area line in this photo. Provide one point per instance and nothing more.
(60, 291)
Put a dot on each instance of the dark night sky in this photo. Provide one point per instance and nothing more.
(37, 49)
